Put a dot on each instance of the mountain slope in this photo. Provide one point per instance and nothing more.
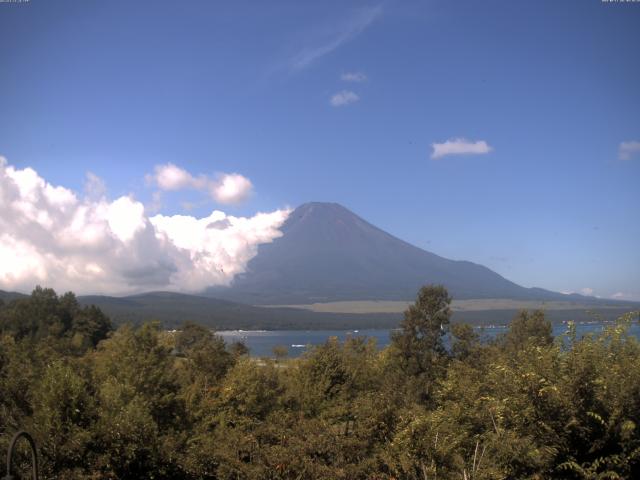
(9, 296)
(328, 253)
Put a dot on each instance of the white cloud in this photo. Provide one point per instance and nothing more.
(626, 296)
(94, 186)
(50, 236)
(587, 291)
(460, 146)
(171, 177)
(231, 188)
(353, 77)
(226, 188)
(628, 149)
(219, 246)
(155, 204)
(345, 97)
(336, 35)
(125, 217)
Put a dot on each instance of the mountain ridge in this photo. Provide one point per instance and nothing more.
(173, 309)
(328, 253)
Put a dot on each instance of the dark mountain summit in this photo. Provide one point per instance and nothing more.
(327, 253)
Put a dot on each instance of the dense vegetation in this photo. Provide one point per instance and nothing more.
(144, 403)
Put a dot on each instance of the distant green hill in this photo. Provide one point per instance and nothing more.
(8, 296)
(173, 309)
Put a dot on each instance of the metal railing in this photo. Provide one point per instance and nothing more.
(10, 454)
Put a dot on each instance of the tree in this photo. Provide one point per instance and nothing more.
(465, 342)
(89, 326)
(238, 349)
(529, 329)
(63, 417)
(140, 409)
(418, 347)
(280, 352)
(205, 351)
(204, 362)
(45, 315)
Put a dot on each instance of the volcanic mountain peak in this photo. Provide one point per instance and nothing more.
(317, 223)
(328, 253)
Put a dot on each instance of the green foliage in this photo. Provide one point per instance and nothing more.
(465, 342)
(418, 347)
(144, 403)
(528, 328)
(280, 352)
(44, 315)
(64, 412)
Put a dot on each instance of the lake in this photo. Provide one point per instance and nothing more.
(261, 342)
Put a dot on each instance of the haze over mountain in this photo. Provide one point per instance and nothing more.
(328, 253)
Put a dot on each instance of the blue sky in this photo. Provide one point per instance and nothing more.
(342, 101)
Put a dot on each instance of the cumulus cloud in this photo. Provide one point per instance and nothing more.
(586, 291)
(219, 246)
(345, 97)
(459, 146)
(226, 188)
(231, 188)
(353, 77)
(50, 236)
(172, 177)
(618, 295)
(628, 149)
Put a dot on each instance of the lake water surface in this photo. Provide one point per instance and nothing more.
(261, 342)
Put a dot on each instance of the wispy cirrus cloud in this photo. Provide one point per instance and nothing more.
(356, 77)
(460, 146)
(626, 150)
(334, 36)
(226, 188)
(343, 98)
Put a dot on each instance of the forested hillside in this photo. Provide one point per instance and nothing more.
(142, 403)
